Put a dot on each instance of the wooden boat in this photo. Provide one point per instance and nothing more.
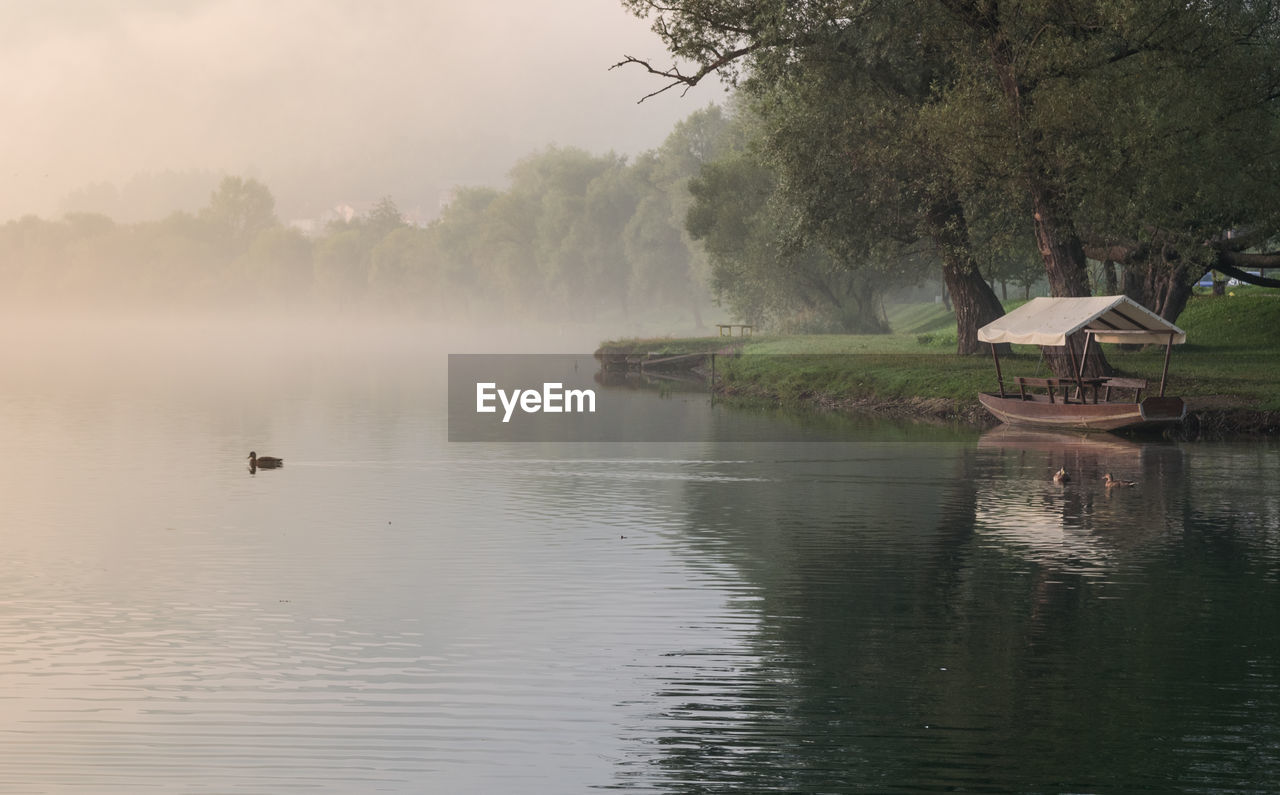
(1080, 403)
(1036, 410)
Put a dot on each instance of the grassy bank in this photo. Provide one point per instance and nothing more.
(1227, 370)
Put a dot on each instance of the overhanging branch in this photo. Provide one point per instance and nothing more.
(678, 78)
(1232, 264)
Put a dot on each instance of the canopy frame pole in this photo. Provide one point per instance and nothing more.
(1078, 369)
(999, 378)
(1084, 357)
(1164, 374)
(1088, 336)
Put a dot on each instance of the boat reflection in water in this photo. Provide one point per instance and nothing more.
(1079, 526)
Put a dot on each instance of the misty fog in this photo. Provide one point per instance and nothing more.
(333, 103)
(297, 174)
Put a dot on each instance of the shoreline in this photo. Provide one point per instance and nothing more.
(1209, 417)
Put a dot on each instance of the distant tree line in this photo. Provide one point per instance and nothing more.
(573, 235)
(703, 218)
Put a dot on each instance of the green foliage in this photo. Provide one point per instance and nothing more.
(277, 262)
(337, 266)
(384, 219)
(763, 265)
(1146, 127)
(403, 267)
(238, 211)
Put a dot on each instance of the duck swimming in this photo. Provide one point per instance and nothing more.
(1061, 476)
(264, 461)
(1110, 481)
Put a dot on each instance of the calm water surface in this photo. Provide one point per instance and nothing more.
(901, 610)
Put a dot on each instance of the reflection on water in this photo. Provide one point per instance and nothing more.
(1081, 525)
(906, 609)
(1077, 641)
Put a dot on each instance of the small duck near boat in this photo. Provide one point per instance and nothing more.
(264, 461)
(1110, 481)
(1061, 476)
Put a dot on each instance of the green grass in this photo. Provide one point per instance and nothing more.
(1233, 349)
(667, 346)
(800, 378)
(1232, 323)
(921, 319)
(852, 343)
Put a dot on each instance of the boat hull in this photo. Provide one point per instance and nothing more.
(1038, 411)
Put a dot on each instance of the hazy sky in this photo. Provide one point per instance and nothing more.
(324, 100)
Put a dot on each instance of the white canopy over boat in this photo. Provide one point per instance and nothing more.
(1109, 318)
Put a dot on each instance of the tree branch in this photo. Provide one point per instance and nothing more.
(1232, 263)
(1241, 241)
(1246, 276)
(678, 78)
(1122, 253)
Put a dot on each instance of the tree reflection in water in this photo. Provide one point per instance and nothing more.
(941, 615)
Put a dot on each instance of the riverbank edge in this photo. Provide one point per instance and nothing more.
(1208, 416)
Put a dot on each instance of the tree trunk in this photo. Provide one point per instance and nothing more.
(1067, 363)
(1055, 231)
(1160, 285)
(1056, 236)
(974, 301)
(1059, 245)
(1109, 276)
(868, 315)
(1065, 266)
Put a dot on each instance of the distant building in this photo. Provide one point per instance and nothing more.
(346, 212)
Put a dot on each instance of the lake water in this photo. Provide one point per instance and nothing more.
(898, 609)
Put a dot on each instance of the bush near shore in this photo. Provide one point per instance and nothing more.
(1229, 369)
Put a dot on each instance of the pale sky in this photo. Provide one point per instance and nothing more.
(323, 100)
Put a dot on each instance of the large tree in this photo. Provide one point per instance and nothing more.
(1035, 104)
(867, 183)
(839, 104)
(238, 210)
(1185, 178)
(667, 268)
(767, 272)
